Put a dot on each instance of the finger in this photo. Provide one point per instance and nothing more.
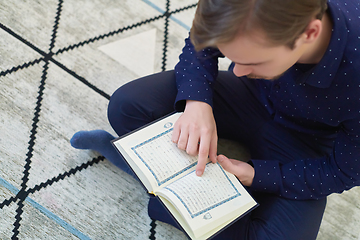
(225, 163)
(213, 149)
(203, 156)
(193, 144)
(183, 139)
(176, 133)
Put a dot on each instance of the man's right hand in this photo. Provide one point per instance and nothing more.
(195, 132)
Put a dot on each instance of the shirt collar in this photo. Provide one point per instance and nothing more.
(324, 72)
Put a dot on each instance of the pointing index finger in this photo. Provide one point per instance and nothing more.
(202, 157)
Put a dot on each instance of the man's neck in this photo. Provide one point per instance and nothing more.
(315, 52)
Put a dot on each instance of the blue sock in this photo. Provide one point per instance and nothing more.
(100, 141)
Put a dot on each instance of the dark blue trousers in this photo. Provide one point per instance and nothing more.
(239, 116)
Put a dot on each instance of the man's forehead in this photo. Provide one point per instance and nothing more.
(255, 38)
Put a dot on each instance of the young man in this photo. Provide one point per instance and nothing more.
(292, 98)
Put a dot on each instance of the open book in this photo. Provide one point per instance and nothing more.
(201, 205)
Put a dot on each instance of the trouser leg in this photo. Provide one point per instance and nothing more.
(138, 103)
(277, 218)
(142, 101)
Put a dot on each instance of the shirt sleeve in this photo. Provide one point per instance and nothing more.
(195, 73)
(314, 178)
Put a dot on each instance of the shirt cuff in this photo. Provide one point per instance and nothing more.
(267, 176)
(197, 91)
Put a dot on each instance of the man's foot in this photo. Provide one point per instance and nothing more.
(100, 141)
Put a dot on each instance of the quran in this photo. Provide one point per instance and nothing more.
(202, 206)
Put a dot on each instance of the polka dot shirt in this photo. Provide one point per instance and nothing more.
(321, 100)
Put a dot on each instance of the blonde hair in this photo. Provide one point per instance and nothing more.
(283, 21)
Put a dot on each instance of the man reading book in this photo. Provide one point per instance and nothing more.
(291, 96)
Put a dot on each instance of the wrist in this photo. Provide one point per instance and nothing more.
(247, 177)
(197, 105)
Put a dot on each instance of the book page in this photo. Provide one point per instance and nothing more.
(162, 157)
(207, 203)
(201, 194)
(153, 156)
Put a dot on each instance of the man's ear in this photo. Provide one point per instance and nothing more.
(312, 32)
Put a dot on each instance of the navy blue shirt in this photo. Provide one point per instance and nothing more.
(323, 100)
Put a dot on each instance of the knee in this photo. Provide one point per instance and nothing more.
(122, 105)
(142, 101)
(122, 100)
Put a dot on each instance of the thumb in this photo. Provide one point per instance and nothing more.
(225, 163)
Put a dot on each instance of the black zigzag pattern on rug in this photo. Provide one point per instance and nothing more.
(46, 58)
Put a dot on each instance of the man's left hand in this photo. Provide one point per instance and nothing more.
(242, 170)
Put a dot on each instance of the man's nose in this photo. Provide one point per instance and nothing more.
(240, 71)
